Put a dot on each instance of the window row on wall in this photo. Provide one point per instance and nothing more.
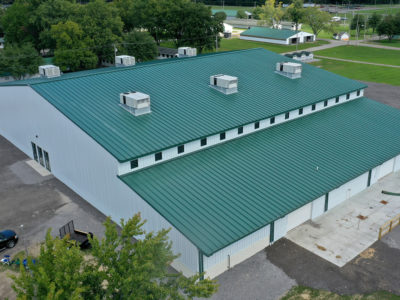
(212, 140)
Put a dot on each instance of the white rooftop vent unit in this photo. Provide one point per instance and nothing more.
(224, 83)
(135, 102)
(186, 52)
(49, 71)
(289, 69)
(124, 61)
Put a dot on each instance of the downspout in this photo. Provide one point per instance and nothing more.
(326, 202)
(201, 264)
(369, 178)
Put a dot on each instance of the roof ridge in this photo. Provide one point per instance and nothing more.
(168, 61)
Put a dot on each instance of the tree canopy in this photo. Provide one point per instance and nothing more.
(318, 20)
(295, 12)
(117, 267)
(139, 44)
(271, 13)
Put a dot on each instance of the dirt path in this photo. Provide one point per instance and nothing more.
(356, 61)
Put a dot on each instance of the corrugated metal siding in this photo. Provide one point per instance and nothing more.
(267, 32)
(184, 107)
(219, 195)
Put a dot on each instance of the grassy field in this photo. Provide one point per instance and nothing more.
(361, 53)
(237, 44)
(361, 72)
(302, 293)
(392, 43)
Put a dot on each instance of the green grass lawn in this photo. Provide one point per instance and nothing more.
(237, 44)
(301, 293)
(361, 53)
(393, 43)
(361, 72)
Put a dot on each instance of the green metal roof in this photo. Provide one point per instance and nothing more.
(219, 195)
(229, 12)
(183, 105)
(271, 33)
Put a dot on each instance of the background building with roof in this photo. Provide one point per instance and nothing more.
(229, 162)
(277, 36)
(164, 52)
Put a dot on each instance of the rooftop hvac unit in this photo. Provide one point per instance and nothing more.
(186, 52)
(124, 61)
(49, 71)
(135, 102)
(289, 69)
(224, 83)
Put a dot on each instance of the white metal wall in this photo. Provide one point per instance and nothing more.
(397, 164)
(81, 163)
(251, 38)
(237, 252)
(347, 190)
(318, 207)
(299, 216)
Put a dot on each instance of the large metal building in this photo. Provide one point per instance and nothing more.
(230, 150)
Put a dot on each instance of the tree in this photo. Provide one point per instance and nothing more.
(220, 15)
(118, 267)
(257, 13)
(271, 13)
(387, 27)
(73, 51)
(241, 14)
(138, 270)
(357, 23)
(374, 21)
(318, 20)
(295, 12)
(57, 274)
(140, 44)
(20, 61)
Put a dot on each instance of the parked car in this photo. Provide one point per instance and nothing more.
(8, 239)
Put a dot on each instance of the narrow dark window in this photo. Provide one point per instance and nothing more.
(35, 156)
(287, 115)
(47, 160)
(181, 149)
(134, 163)
(240, 130)
(256, 125)
(326, 103)
(272, 120)
(40, 156)
(124, 99)
(358, 93)
(300, 111)
(203, 142)
(158, 156)
(337, 100)
(313, 107)
(215, 81)
(348, 96)
(281, 68)
(222, 136)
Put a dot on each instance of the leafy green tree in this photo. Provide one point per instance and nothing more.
(374, 21)
(295, 12)
(73, 50)
(241, 14)
(101, 23)
(140, 44)
(138, 270)
(387, 27)
(57, 274)
(20, 61)
(271, 13)
(221, 15)
(318, 20)
(358, 23)
(257, 13)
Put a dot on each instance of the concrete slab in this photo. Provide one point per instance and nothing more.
(340, 234)
(38, 168)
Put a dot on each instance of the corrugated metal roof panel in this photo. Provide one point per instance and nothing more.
(184, 107)
(272, 33)
(219, 195)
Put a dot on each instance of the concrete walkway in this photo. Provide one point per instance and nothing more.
(350, 228)
(356, 61)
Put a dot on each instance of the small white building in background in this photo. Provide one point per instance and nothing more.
(227, 30)
(277, 36)
(342, 36)
(287, 25)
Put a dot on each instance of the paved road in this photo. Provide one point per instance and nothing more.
(384, 93)
(357, 61)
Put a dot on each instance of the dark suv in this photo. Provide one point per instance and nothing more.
(8, 239)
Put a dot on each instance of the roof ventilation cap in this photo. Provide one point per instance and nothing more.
(224, 83)
(124, 61)
(135, 102)
(49, 71)
(186, 52)
(289, 69)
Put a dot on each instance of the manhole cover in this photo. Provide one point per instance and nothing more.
(361, 217)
